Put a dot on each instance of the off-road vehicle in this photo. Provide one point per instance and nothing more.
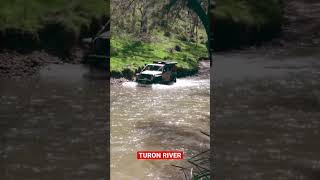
(158, 72)
(98, 51)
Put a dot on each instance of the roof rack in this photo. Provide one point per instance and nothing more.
(164, 62)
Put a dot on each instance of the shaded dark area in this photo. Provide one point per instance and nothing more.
(58, 37)
(23, 53)
(230, 34)
(285, 23)
(55, 35)
(17, 39)
(239, 24)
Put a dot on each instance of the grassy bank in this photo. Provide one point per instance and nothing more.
(53, 24)
(129, 54)
(246, 22)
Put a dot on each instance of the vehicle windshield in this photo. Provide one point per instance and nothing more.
(153, 68)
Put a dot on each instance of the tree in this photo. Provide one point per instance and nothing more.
(181, 17)
(198, 7)
(204, 10)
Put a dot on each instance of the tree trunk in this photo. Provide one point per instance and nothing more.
(144, 19)
(144, 23)
(194, 27)
(133, 19)
(197, 30)
(196, 7)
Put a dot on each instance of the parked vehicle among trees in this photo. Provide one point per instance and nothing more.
(98, 53)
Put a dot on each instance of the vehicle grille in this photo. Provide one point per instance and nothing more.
(145, 76)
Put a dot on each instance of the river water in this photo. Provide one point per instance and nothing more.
(53, 126)
(158, 117)
(267, 115)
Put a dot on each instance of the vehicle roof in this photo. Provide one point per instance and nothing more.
(164, 62)
(156, 64)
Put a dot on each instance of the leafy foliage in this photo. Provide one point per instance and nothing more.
(53, 24)
(31, 14)
(133, 16)
(144, 30)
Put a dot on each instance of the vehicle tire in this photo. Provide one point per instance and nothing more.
(174, 79)
(156, 80)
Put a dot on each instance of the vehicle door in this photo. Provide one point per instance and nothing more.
(166, 75)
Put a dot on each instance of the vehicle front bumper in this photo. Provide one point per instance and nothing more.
(145, 81)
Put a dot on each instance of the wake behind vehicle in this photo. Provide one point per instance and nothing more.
(158, 72)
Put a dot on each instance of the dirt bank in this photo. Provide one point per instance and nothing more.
(300, 28)
(302, 22)
(14, 64)
(244, 23)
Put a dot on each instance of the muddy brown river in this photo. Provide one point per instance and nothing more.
(267, 115)
(54, 126)
(158, 117)
(267, 127)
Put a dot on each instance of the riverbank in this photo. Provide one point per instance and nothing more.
(268, 103)
(130, 54)
(52, 25)
(202, 73)
(36, 33)
(301, 26)
(245, 23)
(16, 65)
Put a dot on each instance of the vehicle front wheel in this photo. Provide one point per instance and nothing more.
(157, 80)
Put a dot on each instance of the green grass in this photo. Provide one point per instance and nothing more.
(30, 15)
(130, 53)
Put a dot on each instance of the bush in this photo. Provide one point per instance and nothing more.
(167, 34)
(128, 73)
(177, 48)
(182, 38)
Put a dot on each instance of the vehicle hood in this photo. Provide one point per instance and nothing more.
(152, 72)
